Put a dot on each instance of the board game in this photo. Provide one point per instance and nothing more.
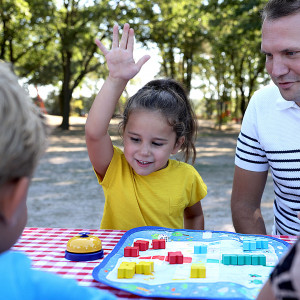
(190, 264)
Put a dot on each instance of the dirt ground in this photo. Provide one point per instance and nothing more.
(65, 192)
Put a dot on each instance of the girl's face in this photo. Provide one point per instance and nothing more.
(149, 141)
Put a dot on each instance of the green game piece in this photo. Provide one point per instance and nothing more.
(234, 260)
(248, 260)
(255, 259)
(262, 259)
(226, 259)
(241, 259)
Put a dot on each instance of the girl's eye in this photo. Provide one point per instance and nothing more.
(135, 140)
(157, 144)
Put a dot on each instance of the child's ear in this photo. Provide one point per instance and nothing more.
(11, 195)
(178, 144)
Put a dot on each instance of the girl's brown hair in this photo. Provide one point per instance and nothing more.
(168, 97)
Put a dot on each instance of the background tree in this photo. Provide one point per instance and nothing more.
(23, 27)
(235, 37)
(178, 29)
(211, 45)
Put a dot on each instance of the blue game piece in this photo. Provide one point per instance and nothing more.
(246, 245)
(241, 259)
(264, 244)
(258, 244)
(252, 245)
(255, 260)
(248, 260)
(202, 249)
(226, 259)
(262, 260)
(233, 260)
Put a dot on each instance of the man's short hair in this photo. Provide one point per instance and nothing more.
(23, 130)
(276, 9)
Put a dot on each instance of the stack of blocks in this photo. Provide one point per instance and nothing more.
(241, 259)
(128, 269)
(175, 257)
(142, 245)
(202, 249)
(198, 271)
(159, 244)
(254, 245)
(144, 267)
(131, 251)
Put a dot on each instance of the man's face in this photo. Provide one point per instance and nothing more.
(281, 44)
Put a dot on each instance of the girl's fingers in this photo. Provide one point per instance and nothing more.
(130, 43)
(101, 47)
(142, 61)
(124, 38)
(115, 41)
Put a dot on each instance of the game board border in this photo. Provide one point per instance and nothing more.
(128, 233)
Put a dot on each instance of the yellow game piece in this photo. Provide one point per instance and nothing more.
(198, 271)
(126, 270)
(144, 267)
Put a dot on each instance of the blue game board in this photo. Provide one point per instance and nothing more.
(223, 280)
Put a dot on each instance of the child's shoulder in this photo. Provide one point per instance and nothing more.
(182, 166)
(12, 259)
(118, 149)
(39, 284)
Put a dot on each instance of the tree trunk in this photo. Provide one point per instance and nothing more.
(66, 92)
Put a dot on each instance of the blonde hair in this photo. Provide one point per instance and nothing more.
(23, 130)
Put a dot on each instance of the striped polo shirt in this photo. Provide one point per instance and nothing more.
(270, 139)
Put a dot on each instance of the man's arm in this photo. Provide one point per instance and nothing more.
(246, 196)
(266, 292)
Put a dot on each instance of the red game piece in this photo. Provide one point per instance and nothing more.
(142, 245)
(159, 244)
(175, 257)
(131, 251)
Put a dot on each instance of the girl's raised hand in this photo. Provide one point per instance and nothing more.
(119, 59)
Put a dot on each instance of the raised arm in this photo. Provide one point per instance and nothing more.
(122, 68)
(246, 196)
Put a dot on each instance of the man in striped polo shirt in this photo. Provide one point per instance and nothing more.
(270, 133)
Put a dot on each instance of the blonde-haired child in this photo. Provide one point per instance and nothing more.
(23, 137)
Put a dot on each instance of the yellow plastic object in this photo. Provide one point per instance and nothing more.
(84, 243)
(126, 270)
(144, 267)
(198, 271)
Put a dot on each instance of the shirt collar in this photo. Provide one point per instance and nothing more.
(282, 104)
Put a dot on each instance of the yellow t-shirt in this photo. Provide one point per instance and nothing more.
(158, 199)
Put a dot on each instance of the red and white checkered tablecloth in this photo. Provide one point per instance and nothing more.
(46, 248)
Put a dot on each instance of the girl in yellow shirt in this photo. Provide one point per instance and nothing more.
(142, 185)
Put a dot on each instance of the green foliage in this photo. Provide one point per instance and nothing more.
(213, 46)
(178, 28)
(23, 32)
(235, 59)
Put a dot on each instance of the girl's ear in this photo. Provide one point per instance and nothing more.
(178, 144)
(12, 194)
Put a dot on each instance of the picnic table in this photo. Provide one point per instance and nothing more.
(46, 248)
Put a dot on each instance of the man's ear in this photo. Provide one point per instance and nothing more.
(11, 195)
(178, 145)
